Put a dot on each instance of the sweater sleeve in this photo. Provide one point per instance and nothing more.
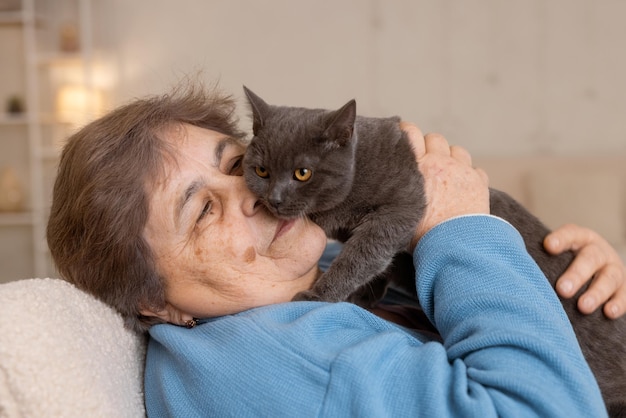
(507, 350)
(507, 339)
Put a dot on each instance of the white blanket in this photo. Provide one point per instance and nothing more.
(65, 354)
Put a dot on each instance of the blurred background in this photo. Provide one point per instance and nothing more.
(534, 89)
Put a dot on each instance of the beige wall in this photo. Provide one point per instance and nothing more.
(507, 79)
(499, 77)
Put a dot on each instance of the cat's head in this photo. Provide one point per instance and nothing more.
(300, 161)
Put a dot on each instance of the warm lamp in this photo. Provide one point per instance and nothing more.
(78, 104)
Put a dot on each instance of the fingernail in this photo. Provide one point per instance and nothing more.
(588, 303)
(565, 286)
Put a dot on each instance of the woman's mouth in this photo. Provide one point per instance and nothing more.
(284, 225)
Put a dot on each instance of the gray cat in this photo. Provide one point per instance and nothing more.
(357, 178)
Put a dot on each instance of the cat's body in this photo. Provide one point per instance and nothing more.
(374, 216)
(357, 178)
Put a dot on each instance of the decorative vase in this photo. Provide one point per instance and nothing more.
(11, 193)
(15, 105)
(68, 38)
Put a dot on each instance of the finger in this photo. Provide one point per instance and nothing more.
(583, 267)
(416, 138)
(595, 258)
(461, 154)
(603, 286)
(436, 144)
(616, 307)
(411, 129)
(569, 237)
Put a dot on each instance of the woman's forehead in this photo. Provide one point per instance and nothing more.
(183, 133)
(185, 144)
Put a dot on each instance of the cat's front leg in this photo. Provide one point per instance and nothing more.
(346, 274)
(365, 256)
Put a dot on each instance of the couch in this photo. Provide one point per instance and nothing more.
(589, 191)
(65, 354)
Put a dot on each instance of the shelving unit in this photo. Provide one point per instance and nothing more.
(30, 142)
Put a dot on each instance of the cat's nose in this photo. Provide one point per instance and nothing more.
(275, 202)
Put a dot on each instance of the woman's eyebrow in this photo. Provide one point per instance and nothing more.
(198, 184)
(221, 146)
(190, 191)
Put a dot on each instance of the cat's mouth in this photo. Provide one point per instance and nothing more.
(283, 212)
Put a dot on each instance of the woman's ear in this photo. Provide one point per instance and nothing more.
(169, 314)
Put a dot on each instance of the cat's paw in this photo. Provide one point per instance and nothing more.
(368, 295)
(307, 295)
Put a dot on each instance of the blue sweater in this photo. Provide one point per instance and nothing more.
(508, 348)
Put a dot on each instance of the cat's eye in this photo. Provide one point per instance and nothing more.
(302, 174)
(262, 172)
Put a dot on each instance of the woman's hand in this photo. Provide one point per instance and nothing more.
(453, 187)
(596, 260)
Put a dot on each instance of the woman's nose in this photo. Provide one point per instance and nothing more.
(250, 203)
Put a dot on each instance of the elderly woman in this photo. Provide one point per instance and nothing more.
(151, 215)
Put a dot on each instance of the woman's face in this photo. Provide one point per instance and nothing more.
(218, 249)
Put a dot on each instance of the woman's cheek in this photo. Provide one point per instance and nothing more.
(231, 249)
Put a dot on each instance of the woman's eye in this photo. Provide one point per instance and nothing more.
(302, 174)
(236, 168)
(205, 210)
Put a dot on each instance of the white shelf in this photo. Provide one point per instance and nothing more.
(13, 17)
(57, 58)
(16, 219)
(24, 119)
(13, 120)
(39, 129)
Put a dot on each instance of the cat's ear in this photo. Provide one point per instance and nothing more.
(341, 126)
(259, 109)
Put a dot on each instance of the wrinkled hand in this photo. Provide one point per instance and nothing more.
(453, 187)
(595, 260)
